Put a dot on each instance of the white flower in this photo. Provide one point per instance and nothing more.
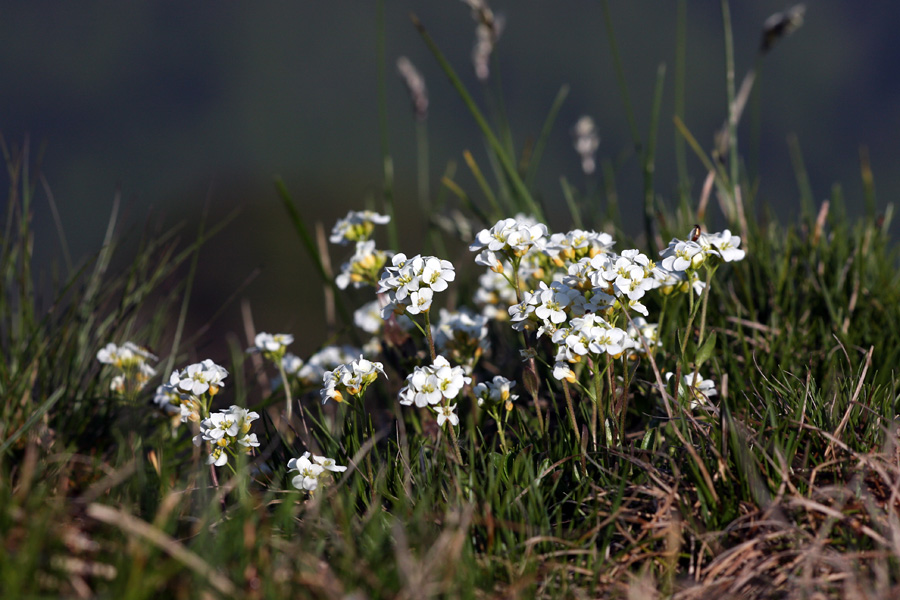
(363, 267)
(562, 371)
(368, 317)
(225, 430)
(681, 255)
(437, 272)
(586, 143)
(353, 378)
(199, 378)
(272, 343)
(131, 360)
(431, 384)
(356, 226)
(312, 472)
(420, 301)
(494, 295)
(168, 399)
(697, 389)
(309, 473)
(725, 245)
(326, 359)
(329, 464)
(445, 413)
(126, 356)
(511, 237)
(410, 283)
(496, 392)
(291, 363)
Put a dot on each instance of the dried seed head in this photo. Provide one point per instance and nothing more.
(780, 25)
(487, 32)
(415, 85)
(586, 143)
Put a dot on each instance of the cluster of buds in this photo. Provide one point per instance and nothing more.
(363, 267)
(496, 392)
(352, 378)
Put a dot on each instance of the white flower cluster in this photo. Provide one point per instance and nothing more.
(368, 318)
(410, 284)
(507, 239)
(227, 432)
(312, 472)
(356, 226)
(131, 362)
(683, 255)
(582, 303)
(432, 384)
(310, 372)
(363, 267)
(462, 335)
(352, 378)
(494, 295)
(199, 378)
(272, 346)
(576, 244)
(190, 390)
(496, 392)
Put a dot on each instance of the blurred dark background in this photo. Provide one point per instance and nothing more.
(174, 103)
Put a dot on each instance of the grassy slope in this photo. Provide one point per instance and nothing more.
(788, 483)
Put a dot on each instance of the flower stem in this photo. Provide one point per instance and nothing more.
(709, 275)
(598, 395)
(428, 335)
(571, 410)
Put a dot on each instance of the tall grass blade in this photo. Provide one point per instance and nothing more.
(507, 162)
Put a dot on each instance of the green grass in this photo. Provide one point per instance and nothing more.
(785, 485)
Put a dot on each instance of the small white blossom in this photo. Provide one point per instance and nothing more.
(226, 431)
(312, 472)
(431, 384)
(199, 378)
(353, 377)
(356, 226)
(445, 413)
(496, 392)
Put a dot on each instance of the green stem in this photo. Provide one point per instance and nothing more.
(428, 335)
(598, 394)
(571, 410)
(710, 271)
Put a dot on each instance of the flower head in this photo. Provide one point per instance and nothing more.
(199, 378)
(445, 413)
(312, 472)
(272, 346)
(432, 384)
(353, 378)
(227, 432)
(357, 226)
(496, 392)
